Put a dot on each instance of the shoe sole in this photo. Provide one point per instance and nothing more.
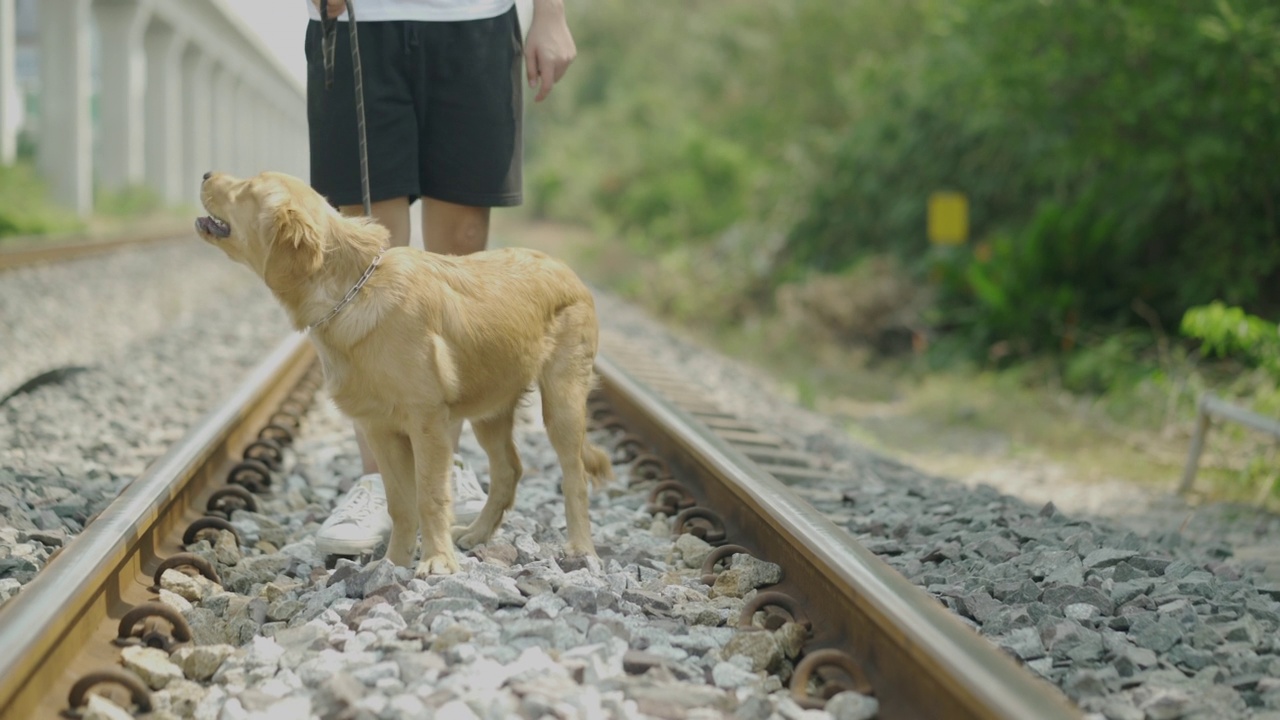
(338, 547)
(462, 515)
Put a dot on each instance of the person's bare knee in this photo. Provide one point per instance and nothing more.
(391, 214)
(452, 229)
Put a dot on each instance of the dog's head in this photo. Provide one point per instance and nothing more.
(273, 223)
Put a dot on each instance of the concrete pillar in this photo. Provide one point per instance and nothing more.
(300, 148)
(270, 137)
(224, 93)
(164, 153)
(123, 92)
(11, 108)
(197, 142)
(66, 137)
(283, 135)
(241, 116)
(255, 139)
(267, 136)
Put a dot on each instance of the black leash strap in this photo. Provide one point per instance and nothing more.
(329, 47)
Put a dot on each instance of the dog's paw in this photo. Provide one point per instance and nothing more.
(591, 562)
(442, 564)
(587, 549)
(467, 536)
(402, 558)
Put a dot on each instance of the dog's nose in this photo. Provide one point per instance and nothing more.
(208, 175)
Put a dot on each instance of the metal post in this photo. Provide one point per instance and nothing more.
(1197, 447)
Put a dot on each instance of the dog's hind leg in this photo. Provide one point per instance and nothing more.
(394, 454)
(564, 403)
(494, 435)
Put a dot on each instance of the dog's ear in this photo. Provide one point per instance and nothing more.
(292, 232)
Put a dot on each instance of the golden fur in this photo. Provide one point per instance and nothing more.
(429, 341)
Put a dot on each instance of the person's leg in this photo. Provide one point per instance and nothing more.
(452, 229)
(393, 215)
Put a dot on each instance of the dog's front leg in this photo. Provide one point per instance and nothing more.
(394, 454)
(433, 460)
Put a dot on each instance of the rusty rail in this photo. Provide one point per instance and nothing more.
(58, 631)
(21, 253)
(919, 659)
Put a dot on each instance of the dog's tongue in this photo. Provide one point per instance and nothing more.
(213, 226)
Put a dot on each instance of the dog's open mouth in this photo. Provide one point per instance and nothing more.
(211, 225)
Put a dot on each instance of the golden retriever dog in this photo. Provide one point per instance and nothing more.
(412, 343)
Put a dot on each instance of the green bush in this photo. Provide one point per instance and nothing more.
(1230, 332)
(684, 190)
(1112, 153)
(681, 120)
(24, 205)
(1115, 154)
(132, 201)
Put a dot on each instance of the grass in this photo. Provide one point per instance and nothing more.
(24, 206)
(27, 215)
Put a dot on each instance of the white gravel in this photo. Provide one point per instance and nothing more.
(163, 333)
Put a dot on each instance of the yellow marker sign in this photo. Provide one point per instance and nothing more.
(948, 218)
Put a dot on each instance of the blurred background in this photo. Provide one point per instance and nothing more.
(761, 172)
(1015, 235)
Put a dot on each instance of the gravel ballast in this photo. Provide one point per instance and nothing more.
(1144, 614)
(1138, 618)
(162, 334)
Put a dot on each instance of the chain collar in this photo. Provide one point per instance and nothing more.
(351, 294)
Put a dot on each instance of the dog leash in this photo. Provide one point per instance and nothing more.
(329, 47)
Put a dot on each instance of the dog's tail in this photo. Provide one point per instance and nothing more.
(596, 463)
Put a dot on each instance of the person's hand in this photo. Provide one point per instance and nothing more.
(336, 7)
(549, 48)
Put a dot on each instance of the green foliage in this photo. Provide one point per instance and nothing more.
(1115, 154)
(1111, 151)
(24, 205)
(133, 201)
(679, 121)
(1230, 332)
(692, 188)
(1113, 363)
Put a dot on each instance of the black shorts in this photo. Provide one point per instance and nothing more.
(443, 105)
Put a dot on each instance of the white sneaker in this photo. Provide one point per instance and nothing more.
(468, 496)
(360, 522)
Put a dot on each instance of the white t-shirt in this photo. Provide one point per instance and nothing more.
(426, 10)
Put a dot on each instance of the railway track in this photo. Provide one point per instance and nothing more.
(709, 474)
(22, 253)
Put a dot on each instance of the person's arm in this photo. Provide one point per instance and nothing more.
(548, 48)
(336, 7)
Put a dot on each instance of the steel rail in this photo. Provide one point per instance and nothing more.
(22, 253)
(63, 620)
(921, 661)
